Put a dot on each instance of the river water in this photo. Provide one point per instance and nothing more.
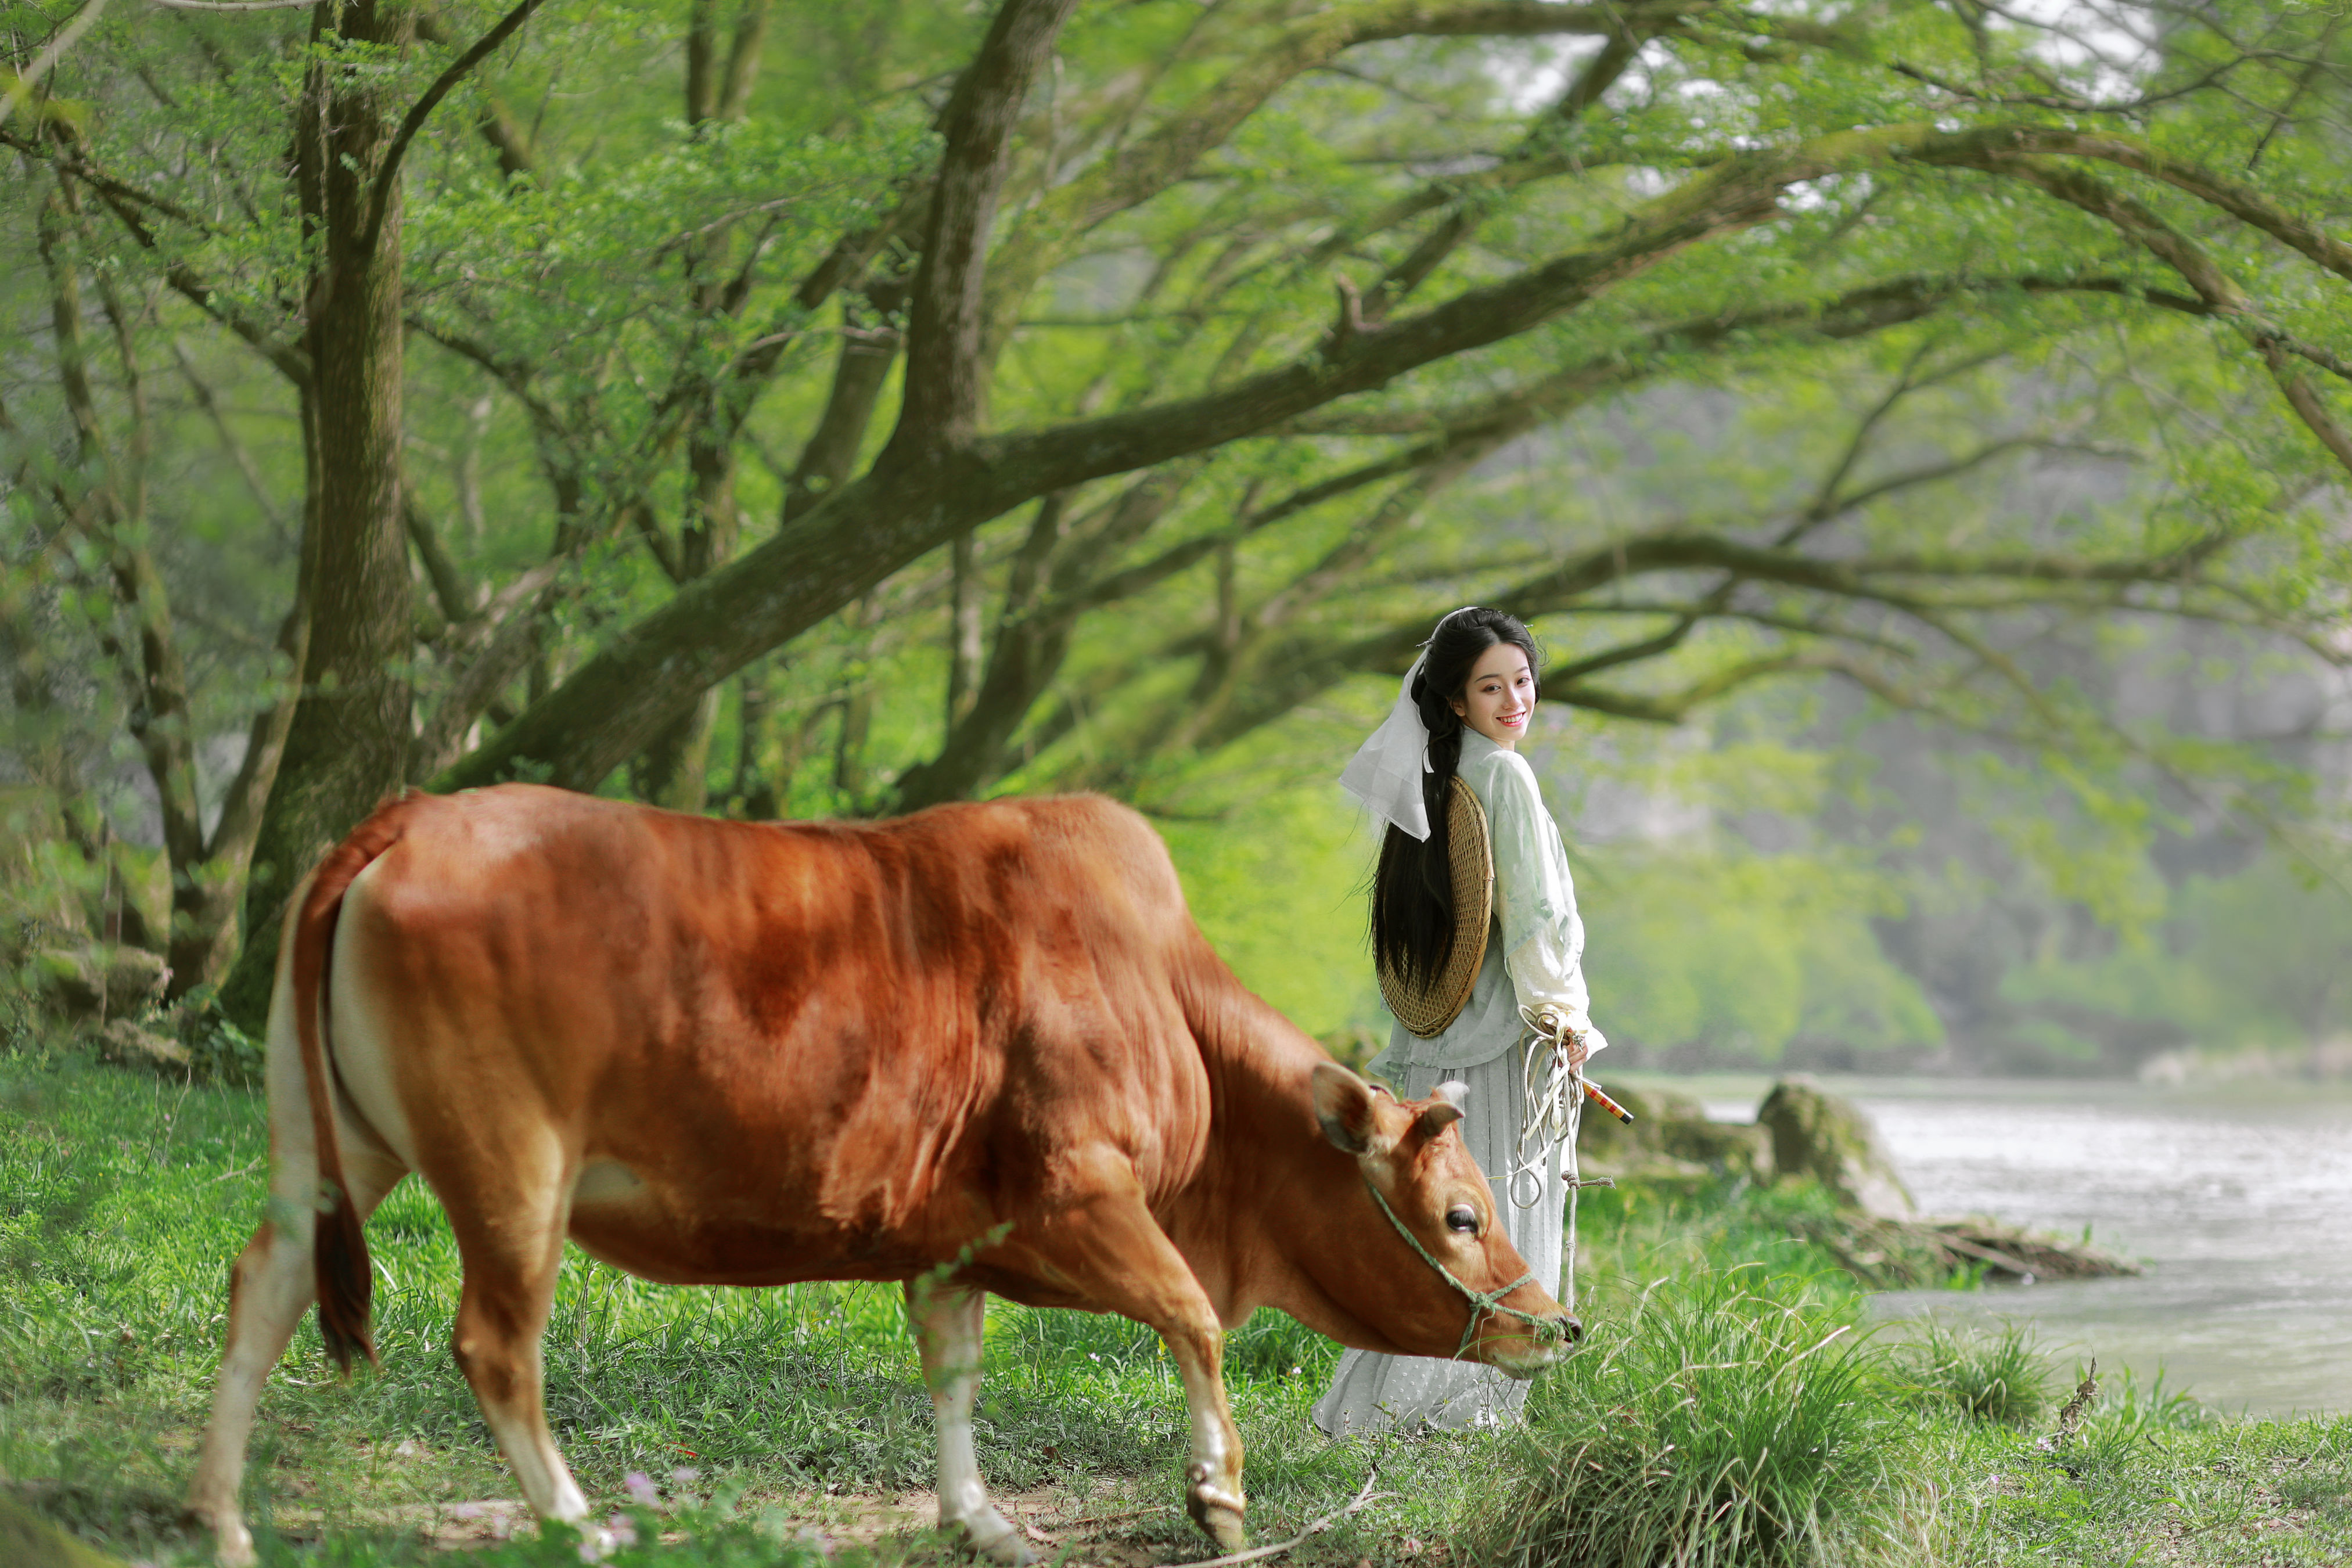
(2236, 1198)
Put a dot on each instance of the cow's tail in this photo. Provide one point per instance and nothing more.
(339, 1251)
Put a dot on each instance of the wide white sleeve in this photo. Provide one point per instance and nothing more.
(1543, 937)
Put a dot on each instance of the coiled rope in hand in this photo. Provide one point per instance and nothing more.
(1551, 1100)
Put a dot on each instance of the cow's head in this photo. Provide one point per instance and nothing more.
(1437, 1281)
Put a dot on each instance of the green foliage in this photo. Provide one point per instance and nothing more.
(1644, 1229)
(2251, 958)
(616, 352)
(1277, 884)
(1737, 955)
(1721, 1423)
(1994, 1375)
(219, 1051)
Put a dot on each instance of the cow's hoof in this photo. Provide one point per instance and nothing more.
(994, 1538)
(232, 1542)
(1219, 1515)
(598, 1542)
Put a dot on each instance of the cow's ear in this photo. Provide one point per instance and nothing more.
(1344, 1107)
(1449, 1102)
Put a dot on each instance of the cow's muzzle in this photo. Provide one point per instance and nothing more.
(1545, 1340)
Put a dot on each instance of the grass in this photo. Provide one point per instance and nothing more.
(1643, 1229)
(122, 1199)
(1979, 1375)
(1721, 1423)
(2151, 1479)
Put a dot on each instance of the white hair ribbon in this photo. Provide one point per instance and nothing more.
(1386, 772)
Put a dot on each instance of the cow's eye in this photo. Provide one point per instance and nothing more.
(1464, 1218)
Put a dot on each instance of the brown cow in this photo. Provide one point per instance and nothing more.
(751, 1054)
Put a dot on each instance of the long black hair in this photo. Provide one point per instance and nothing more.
(1413, 890)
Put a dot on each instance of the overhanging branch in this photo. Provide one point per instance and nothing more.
(380, 193)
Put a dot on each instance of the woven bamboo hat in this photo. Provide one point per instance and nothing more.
(1428, 1008)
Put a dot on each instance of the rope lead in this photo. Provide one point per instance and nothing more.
(1551, 1091)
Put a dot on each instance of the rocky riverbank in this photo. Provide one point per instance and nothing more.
(1802, 1134)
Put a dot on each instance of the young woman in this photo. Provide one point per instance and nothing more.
(1463, 712)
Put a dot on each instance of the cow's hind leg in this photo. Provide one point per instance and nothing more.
(1112, 1248)
(271, 1284)
(510, 1234)
(948, 1322)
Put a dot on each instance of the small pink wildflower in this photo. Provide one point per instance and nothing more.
(640, 1488)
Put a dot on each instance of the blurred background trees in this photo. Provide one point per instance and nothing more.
(1919, 433)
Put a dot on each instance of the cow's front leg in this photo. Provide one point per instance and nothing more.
(1108, 1246)
(948, 1324)
(1214, 1491)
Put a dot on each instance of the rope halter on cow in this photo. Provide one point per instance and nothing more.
(1482, 1302)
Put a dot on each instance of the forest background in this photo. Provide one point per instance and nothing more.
(1920, 433)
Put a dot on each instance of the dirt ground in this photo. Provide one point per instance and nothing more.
(1102, 1533)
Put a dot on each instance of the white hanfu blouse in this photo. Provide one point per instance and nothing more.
(1535, 955)
(1541, 936)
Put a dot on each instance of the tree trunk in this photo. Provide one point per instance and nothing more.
(964, 650)
(755, 790)
(856, 715)
(348, 745)
(676, 767)
(869, 347)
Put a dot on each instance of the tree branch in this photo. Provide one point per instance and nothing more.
(486, 652)
(380, 193)
(1617, 51)
(448, 583)
(2235, 197)
(2218, 291)
(245, 467)
(901, 510)
(126, 201)
(2067, 103)
(942, 403)
(1133, 173)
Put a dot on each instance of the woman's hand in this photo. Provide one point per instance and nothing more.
(1552, 1024)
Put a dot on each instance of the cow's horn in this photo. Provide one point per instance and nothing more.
(1447, 1105)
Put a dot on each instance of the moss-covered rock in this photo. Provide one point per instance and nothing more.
(1671, 1137)
(128, 1044)
(1601, 1137)
(1817, 1134)
(97, 981)
(1734, 1148)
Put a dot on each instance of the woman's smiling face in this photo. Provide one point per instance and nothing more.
(1500, 697)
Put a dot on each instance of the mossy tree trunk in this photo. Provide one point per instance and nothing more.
(348, 746)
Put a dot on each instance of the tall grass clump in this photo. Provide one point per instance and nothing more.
(1720, 1422)
(1997, 1376)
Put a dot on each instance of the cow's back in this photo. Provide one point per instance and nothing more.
(777, 1051)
